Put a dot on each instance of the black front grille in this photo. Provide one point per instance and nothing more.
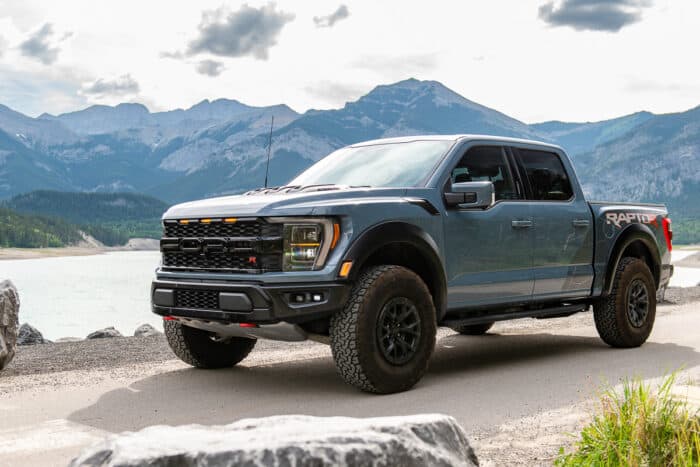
(248, 245)
(201, 299)
(226, 261)
(241, 228)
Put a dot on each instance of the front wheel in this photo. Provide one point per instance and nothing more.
(384, 336)
(626, 316)
(203, 349)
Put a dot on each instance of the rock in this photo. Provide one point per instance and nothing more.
(417, 440)
(146, 330)
(9, 320)
(68, 339)
(104, 333)
(29, 335)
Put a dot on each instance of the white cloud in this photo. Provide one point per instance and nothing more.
(404, 65)
(328, 21)
(247, 31)
(334, 93)
(594, 15)
(531, 70)
(121, 86)
(210, 67)
(41, 45)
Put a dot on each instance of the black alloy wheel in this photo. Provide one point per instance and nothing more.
(398, 330)
(637, 303)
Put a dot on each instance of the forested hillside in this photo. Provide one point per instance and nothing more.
(112, 218)
(29, 231)
(89, 207)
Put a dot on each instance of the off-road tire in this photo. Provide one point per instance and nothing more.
(473, 329)
(611, 313)
(197, 348)
(354, 335)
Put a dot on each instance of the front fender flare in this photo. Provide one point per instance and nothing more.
(382, 235)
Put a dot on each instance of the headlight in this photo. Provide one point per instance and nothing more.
(307, 242)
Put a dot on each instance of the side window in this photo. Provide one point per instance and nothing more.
(486, 163)
(546, 174)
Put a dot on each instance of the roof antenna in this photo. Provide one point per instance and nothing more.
(269, 147)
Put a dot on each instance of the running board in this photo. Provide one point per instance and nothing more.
(541, 313)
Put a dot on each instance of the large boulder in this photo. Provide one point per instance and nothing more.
(29, 335)
(146, 330)
(9, 320)
(104, 333)
(293, 440)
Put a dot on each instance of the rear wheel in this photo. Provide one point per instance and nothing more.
(382, 340)
(625, 318)
(204, 349)
(473, 329)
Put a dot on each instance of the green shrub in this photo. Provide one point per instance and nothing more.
(638, 427)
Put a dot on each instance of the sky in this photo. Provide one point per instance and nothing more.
(535, 60)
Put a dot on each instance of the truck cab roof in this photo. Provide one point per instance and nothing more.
(455, 138)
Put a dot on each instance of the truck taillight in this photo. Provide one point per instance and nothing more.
(668, 233)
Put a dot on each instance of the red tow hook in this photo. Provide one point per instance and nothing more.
(248, 325)
(169, 318)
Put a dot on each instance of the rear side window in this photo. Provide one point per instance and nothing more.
(546, 174)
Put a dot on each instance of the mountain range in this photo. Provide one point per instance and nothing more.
(219, 147)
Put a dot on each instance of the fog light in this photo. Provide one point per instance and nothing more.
(317, 297)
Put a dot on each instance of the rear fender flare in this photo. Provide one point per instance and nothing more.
(631, 234)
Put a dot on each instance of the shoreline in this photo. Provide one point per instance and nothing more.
(150, 244)
(134, 244)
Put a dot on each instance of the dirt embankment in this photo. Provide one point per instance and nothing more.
(83, 249)
(692, 261)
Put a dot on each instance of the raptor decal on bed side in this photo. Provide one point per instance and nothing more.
(619, 218)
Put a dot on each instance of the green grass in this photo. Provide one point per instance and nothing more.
(638, 427)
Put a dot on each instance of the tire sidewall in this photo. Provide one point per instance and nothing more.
(384, 376)
(635, 335)
(474, 329)
(196, 347)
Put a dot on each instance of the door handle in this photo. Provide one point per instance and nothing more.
(581, 223)
(521, 224)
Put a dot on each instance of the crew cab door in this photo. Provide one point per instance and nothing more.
(562, 225)
(488, 252)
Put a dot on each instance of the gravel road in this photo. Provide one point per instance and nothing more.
(518, 391)
(127, 351)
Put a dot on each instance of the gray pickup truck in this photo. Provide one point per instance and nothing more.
(376, 245)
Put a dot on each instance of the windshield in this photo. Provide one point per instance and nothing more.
(379, 165)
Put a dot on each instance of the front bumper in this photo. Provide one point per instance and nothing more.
(247, 302)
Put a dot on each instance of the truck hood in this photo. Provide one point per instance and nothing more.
(271, 203)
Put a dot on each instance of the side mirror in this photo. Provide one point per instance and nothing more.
(470, 195)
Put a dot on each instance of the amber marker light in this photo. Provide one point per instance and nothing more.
(345, 269)
(205, 221)
(184, 221)
(336, 235)
(230, 220)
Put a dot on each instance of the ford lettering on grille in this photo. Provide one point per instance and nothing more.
(251, 246)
